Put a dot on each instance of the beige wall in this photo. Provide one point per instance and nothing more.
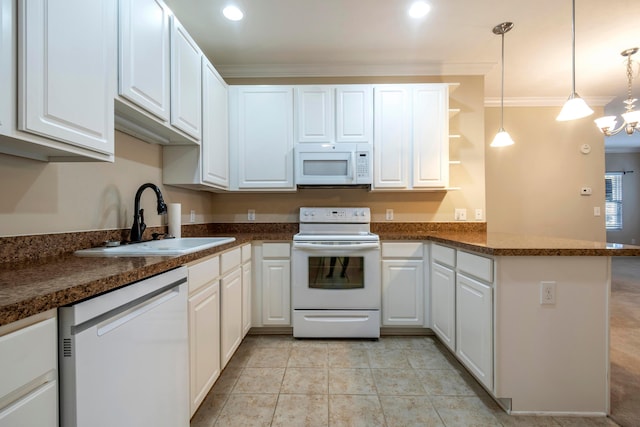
(533, 186)
(411, 207)
(59, 197)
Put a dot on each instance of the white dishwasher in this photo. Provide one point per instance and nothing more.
(123, 356)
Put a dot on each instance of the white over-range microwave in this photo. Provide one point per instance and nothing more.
(333, 164)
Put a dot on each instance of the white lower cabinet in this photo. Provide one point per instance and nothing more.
(204, 342)
(204, 328)
(247, 284)
(443, 303)
(403, 284)
(462, 308)
(474, 327)
(275, 284)
(29, 372)
(231, 300)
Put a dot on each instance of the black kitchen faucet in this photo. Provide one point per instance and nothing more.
(139, 226)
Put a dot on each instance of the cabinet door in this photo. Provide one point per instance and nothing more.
(67, 73)
(443, 294)
(315, 114)
(262, 137)
(38, 408)
(474, 328)
(246, 298)
(402, 292)
(215, 127)
(276, 291)
(144, 55)
(231, 314)
(430, 136)
(186, 81)
(204, 342)
(354, 113)
(392, 136)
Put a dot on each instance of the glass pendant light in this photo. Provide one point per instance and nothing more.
(502, 138)
(575, 107)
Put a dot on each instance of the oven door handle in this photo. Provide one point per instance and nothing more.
(324, 246)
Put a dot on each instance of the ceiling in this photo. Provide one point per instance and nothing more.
(376, 37)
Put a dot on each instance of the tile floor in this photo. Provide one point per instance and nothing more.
(275, 380)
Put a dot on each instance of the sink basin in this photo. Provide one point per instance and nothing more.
(165, 247)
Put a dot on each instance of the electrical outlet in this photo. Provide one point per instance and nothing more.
(251, 214)
(192, 216)
(460, 214)
(547, 293)
(389, 215)
(478, 214)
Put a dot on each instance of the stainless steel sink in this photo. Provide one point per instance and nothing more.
(164, 247)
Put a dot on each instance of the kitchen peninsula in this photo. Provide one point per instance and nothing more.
(545, 358)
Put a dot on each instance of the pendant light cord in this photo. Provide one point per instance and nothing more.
(502, 88)
(573, 47)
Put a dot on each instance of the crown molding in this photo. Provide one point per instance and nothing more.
(351, 70)
(596, 101)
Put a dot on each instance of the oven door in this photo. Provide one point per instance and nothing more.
(336, 275)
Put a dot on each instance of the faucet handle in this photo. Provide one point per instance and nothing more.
(143, 226)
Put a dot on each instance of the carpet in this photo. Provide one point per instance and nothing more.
(625, 341)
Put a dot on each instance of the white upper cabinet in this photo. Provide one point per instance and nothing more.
(332, 114)
(430, 122)
(315, 114)
(261, 138)
(144, 55)
(411, 150)
(160, 87)
(215, 127)
(392, 136)
(204, 167)
(186, 81)
(58, 67)
(354, 113)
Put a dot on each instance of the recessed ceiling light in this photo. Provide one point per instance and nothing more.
(419, 9)
(232, 13)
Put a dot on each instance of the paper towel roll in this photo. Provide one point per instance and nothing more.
(175, 220)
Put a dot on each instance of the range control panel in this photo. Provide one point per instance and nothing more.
(336, 215)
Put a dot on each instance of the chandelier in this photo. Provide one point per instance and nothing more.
(607, 124)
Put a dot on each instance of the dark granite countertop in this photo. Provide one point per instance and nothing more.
(33, 285)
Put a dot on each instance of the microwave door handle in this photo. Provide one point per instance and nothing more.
(321, 246)
(353, 166)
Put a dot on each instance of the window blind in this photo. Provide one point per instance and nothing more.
(613, 200)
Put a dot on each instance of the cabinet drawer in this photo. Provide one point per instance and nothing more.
(276, 250)
(230, 260)
(246, 253)
(203, 272)
(475, 265)
(443, 255)
(402, 249)
(28, 354)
